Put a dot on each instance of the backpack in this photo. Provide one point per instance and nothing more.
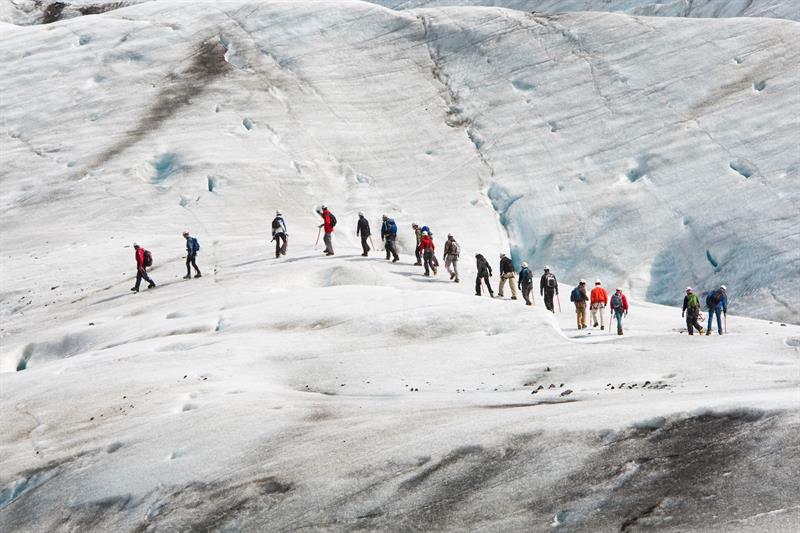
(575, 296)
(391, 226)
(616, 301)
(148, 258)
(194, 244)
(692, 302)
(713, 299)
(333, 219)
(550, 281)
(276, 223)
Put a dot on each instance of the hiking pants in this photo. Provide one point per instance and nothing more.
(711, 312)
(483, 276)
(618, 316)
(692, 323)
(427, 257)
(597, 309)
(281, 241)
(509, 278)
(365, 244)
(391, 247)
(328, 243)
(190, 261)
(527, 290)
(141, 274)
(580, 311)
(548, 300)
(418, 254)
(451, 261)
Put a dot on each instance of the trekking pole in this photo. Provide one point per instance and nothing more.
(725, 319)
(372, 243)
(319, 231)
(559, 302)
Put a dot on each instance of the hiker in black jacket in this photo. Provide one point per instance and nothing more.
(362, 230)
(548, 287)
(484, 273)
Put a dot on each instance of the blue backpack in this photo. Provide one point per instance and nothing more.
(194, 244)
(576, 295)
(391, 226)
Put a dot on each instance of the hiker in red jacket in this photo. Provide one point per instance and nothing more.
(426, 247)
(328, 222)
(598, 302)
(141, 268)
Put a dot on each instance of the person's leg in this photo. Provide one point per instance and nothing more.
(194, 265)
(548, 301)
(138, 280)
(328, 243)
(488, 284)
(601, 312)
(418, 255)
(710, 321)
(448, 266)
(526, 293)
(478, 284)
(150, 282)
(593, 310)
(618, 314)
(427, 263)
(583, 315)
(502, 285)
(718, 311)
(188, 267)
(578, 314)
(394, 252)
(697, 325)
(512, 281)
(690, 324)
(364, 245)
(387, 247)
(277, 246)
(285, 245)
(455, 268)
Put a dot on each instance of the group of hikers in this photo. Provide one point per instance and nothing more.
(424, 251)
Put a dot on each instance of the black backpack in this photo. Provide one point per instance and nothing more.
(550, 281)
(276, 223)
(148, 258)
(333, 219)
(713, 299)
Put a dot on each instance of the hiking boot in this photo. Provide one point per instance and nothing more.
(700, 331)
(364, 255)
(602, 328)
(134, 289)
(428, 274)
(595, 325)
(435, 272)
(151, 285)
(513, 297)
(418, 264)
(456, 280)
(708, 332)
(476, 294)
(452, 276)
(500, 295)
(187, 276)
(619, 332)
(528, 303)
(395, 260)
(198, 275)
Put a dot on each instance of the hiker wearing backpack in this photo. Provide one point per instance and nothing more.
(389, 237)
(452, 251)
(484, 273)
(426, 248)
(579, 298)
(418, 236)
(691, 309)
(717, 302)
(598, 299)
(548, 287)
(143, 260)
(328, 223)
(619, 307)
(279, 234)
(192, 247)
(362, 229)
(507, 275)
(525, 283)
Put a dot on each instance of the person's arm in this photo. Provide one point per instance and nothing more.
(685, 305)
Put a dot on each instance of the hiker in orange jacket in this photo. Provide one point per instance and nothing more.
(598, 300)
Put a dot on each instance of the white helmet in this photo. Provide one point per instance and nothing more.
(361, 213)
(277, 213)
(502, 255)
(524, 264)
(547, 267)
(583, 281)
(597, 281)
(688, 289)
(723, 287)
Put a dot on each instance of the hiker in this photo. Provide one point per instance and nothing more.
(143, 260)
(279, 234)
(362, 229)
(328, 223)
(579, 298)
(452, 251)
(598, 299)
(548, 287)
(389, 237)
(484, 273)
(418, 235)
(525, 283)
(507, 275)
(427, 248)
(192, 247)
(717, 302)
(619, 306)
(691, 309)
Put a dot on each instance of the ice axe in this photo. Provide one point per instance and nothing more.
(372, 243)
(319, 231)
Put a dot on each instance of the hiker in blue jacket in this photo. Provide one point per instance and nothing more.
(389, 235)
(525, 283)
(717, 302)
(192, 247)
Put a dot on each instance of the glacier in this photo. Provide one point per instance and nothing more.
(343, 393)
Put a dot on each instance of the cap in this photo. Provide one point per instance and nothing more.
(277, 213)
(582, 282)
(414, 224)
(449, 235)
(135, 245)
(723, 287)
(323, 206)
(688, 289)
(547, 267)
(597, 281)
(524, 264)
(185, 233)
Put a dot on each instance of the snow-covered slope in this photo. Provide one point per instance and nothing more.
(278, 394)
(786, 9)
